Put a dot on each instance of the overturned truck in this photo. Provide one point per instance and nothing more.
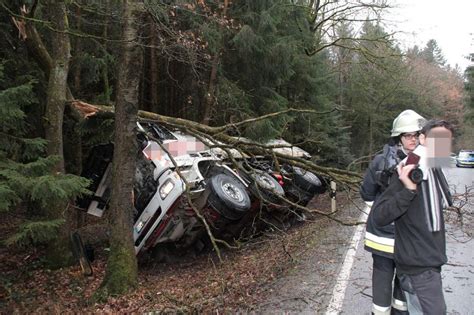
(180, 182)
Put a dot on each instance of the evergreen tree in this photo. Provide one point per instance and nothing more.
(376, 77)
(26, 176)
(262, 61)
(469, 88)
(466, 138)
(28, 180)
(267, 70)
(432, 53)
(343, 57)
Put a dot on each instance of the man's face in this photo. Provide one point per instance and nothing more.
(438, 146)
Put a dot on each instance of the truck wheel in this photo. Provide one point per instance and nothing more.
(267, 187)
(307, 181)
(228, 197)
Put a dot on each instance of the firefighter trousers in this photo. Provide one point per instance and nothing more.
(387, 296)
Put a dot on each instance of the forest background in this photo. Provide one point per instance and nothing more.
(212, 61)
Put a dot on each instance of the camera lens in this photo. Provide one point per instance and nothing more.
(416, 175)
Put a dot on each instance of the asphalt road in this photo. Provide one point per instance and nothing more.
(335, 277)
(458, 274)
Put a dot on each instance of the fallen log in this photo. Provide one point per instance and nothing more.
(218, 135)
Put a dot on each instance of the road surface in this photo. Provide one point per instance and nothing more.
(458, 274)
(335, 277)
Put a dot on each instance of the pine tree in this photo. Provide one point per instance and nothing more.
(432, 53)
(469, 88)
(25, 171)
(376, 80)
(465, 140)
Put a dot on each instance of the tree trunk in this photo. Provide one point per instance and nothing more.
(58, 253)
(55, 66)
(154, 68)
(209, 98)
(105, 69)
(57, 84)
(36, 47)
(78, 53)
(210, 95)
(371, 136)
(121, 273)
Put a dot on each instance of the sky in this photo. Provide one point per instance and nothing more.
(450, 23)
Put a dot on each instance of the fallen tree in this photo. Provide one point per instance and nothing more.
(220, 135)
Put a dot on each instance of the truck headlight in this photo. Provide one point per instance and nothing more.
(139, 226)
(166, 188)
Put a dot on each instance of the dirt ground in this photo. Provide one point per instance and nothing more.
(249, 278)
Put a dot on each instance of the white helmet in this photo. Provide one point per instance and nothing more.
(407, 121)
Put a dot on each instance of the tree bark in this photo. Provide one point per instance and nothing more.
(211, 91)
(154, 69)
(78, 53)
(209, 98)
(57, 83)
(121, 273)
(58, 253)
(36, 47)
(105, 69)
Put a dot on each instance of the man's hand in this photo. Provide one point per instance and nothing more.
(403, 171)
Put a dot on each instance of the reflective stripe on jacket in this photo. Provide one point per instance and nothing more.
(379, 243)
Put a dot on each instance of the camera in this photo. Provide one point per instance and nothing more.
(416, 174)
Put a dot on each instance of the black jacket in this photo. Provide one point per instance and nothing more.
(379, 239)
(416, 248)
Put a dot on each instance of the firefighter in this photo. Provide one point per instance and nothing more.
(387, 298)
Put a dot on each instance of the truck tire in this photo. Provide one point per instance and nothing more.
(307, 181)
(228, 197)
(266, 186)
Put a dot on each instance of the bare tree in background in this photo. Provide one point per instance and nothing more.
(326, 16)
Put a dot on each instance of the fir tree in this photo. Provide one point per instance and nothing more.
(25, 171)
(432, 53)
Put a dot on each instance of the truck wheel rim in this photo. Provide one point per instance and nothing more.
(232, 191)
(266, 183)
